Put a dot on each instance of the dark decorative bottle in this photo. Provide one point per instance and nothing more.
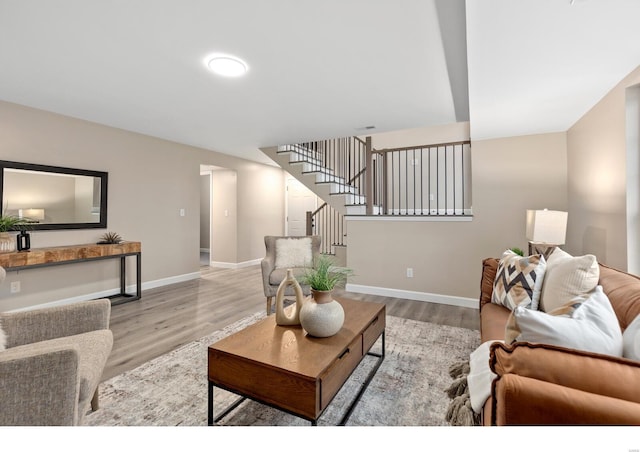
(24, 241)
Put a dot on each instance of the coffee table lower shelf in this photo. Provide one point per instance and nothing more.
(343, 421)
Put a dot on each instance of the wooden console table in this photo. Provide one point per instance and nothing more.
(60, 255)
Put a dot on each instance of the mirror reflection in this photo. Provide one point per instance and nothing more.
(52, 197)
(48, 198)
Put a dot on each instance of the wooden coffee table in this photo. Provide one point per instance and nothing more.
(285, 368)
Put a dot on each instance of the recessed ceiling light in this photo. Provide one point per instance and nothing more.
(226, 65)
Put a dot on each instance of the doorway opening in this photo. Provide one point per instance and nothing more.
(205, 215)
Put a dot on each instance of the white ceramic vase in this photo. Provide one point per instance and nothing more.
(283, 317)
(8, 242)
(321, 315)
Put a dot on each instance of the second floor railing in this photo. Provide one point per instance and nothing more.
(429, 180)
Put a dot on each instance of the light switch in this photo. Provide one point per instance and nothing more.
(182, 212)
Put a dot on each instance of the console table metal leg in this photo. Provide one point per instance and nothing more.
(123, 278)
(139, 275)
(123, 275)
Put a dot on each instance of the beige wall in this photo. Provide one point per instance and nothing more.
(150, 180)
(258, 192)
(597, 182)
(510, 175)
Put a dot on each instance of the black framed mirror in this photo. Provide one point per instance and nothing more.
(53, 197)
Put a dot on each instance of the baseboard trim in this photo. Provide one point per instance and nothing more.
(413, 295)
(107, 293)
(235, 265)
(404, 217)
(166, 281)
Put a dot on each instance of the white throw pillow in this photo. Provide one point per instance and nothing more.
(518, 280)
(589, 324)
(567, 277)
(631, 340)
(291, 253)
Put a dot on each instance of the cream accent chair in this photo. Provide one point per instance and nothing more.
(53, 362)
(296, 253)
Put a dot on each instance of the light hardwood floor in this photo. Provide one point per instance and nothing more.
(170, 316)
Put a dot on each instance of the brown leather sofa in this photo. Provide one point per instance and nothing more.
(539, 384)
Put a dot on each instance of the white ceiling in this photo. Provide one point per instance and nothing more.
(317, 69)
(537, 66)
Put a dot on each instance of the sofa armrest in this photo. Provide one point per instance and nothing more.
(39, 385)
(522, 400)
(267, 265)
(589, 372)
(489, 270)
(25, 327)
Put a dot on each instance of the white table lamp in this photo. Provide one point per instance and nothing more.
(546, 227)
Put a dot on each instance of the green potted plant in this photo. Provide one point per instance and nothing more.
(324, 275)
(517, 250)
(10, 223)
(322, 316)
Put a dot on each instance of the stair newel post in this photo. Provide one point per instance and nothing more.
(369, 176)
(384, 191)
(309, 222)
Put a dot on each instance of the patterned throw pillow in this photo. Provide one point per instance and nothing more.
(518, 280)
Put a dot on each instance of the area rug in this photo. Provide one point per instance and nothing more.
(409, 388)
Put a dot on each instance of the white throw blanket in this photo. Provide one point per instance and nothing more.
(480, 376)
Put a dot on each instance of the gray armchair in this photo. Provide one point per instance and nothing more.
(296, 253)
(53, 362)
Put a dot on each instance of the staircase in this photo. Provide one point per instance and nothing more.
(334, 171)
(305, 163)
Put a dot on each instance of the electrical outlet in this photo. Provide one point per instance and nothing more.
(15, 287)
(409, 272)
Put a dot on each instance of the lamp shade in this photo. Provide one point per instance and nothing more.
(547, 226)
(31, 214)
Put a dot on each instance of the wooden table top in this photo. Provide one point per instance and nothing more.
(66, 253)
(291, 348)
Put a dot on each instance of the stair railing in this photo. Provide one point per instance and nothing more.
(329, 224)
(341, 160)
